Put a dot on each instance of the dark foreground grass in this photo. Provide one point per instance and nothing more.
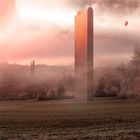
(100, 119)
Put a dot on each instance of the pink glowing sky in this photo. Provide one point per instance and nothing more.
(44, 30)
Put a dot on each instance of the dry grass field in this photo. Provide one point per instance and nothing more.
(109, 119)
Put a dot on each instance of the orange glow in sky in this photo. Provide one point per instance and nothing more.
(44, 30)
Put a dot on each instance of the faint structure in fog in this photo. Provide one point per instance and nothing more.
(84, 55)
(32, 67)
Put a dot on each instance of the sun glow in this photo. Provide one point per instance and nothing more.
(28, 12)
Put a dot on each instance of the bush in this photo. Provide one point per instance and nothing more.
(107, 87)
(100, 88)
(40, 91)
(127, 94)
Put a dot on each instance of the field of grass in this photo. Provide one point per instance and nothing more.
(111, 119)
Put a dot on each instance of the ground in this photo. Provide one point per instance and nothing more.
(101, 119)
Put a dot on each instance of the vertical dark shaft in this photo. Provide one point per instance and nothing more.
(84, 55)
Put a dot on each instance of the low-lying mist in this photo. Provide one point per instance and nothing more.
(18, 82)
(47, 82)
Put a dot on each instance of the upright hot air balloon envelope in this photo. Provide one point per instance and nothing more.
(126, 23)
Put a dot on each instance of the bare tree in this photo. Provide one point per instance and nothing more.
(131, 73)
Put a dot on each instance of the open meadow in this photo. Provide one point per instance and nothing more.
(43, 120)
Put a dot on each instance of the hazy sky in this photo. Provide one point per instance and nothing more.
(44, 30)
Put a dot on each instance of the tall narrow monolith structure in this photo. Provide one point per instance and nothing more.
(32, 67)
(84, 55)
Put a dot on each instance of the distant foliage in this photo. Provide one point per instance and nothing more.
(13, 89)
(130, 85)
(107, 87)
(100, 88)
(124, 81)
